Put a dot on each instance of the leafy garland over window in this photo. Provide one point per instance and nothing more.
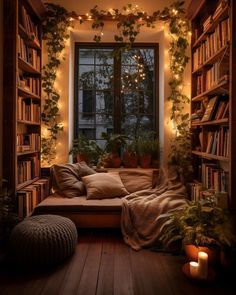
(129, 21)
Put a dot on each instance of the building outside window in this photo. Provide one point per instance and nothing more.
(116, 95)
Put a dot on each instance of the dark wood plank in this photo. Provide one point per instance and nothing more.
(123, 284)
(106, 271)
(73, 276)
(148, 275)
(88, 281)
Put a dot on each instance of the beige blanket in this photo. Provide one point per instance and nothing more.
(144, 212)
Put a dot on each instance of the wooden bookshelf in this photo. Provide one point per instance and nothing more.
(22, 95)
(217, 135)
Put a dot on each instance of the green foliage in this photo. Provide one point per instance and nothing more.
(55, 30)
(8, 217)
(114, 142)
(86, 147)
(201, 224)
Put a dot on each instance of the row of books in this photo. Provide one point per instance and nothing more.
(199, 193)
(28, 110)
(217, 108)
(218, 142)
(212, 45)
(30, 84)
(26, 21)
(214, 177)
(222, 4)
(28, 54)
(28, 168)
(28, 142)
(31, 196)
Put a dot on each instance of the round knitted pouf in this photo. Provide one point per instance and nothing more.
(42, 241)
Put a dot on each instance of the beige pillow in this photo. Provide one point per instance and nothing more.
(68, 178)
(104, 185)
(136, 180)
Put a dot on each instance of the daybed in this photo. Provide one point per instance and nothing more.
(70, 197)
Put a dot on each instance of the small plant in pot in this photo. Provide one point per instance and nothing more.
(86, 150)
(155, 153)
(130, 156)
(113, 145)
(145, 152)
(200, 226)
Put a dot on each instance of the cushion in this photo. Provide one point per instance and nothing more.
(136, 180)
(104, 185)
(68, 178)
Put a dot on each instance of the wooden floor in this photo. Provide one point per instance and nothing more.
(103, 264)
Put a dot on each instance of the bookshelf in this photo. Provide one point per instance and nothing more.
(22, 102)
(213, 99)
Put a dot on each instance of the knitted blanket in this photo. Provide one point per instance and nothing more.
(144, 212)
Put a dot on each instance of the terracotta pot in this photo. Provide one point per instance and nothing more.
(145, 161)
(130, 160)
(81, 158)
(191, 252)
(115, 162)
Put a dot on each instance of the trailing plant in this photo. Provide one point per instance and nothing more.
(55, 31)
(129, 20)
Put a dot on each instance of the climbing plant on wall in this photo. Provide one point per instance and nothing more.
(55, 31)
(129, 22)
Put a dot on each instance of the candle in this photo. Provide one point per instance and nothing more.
(193, 269)
(202, 265)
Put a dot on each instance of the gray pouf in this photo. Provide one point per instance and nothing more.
(42, 241)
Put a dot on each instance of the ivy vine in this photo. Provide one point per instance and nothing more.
(55, 32)
(129, 21)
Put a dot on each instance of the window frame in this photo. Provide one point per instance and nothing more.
(117, 85)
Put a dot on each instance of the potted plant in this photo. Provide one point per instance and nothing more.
(86, 150)
(201, 226)
(145, 152)
(130, 156)
(113, 145)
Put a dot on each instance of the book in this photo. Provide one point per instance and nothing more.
(210, 109)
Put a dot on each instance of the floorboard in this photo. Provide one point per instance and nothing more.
(104, 265)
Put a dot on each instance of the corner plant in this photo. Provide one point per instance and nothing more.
(200, 224)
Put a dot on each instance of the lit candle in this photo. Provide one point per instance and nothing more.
(202, 265)
(193, 269)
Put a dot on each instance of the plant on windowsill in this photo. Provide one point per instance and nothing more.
(200, 226)
(113, 145)
(85, 150)
(130, 156)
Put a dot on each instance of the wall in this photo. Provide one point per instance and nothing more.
(83, 33)
(1, 81)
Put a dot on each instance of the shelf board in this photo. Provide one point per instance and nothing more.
(22, 185)
(28, 122)
(27, 153)
(224, 14)
(211, 60)
(26, 93)
(27, 67)
(224, 121)
(220, 88)
(210, 156)
(31, 41)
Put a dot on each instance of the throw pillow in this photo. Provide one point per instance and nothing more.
(136, 180)
(104, 185)
(68, 178)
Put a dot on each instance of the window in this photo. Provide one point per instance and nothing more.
(115, 95)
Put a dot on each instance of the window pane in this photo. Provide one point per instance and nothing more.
(120, 93)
